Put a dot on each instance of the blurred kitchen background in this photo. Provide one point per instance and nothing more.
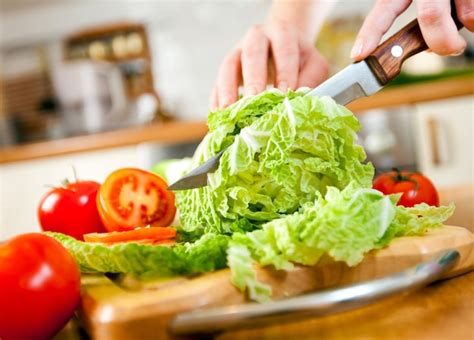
(99, 85)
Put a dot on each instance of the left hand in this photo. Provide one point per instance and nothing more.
(434, 17)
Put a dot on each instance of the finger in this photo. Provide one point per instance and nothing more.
(314, 71)
(438, 28)
(465, 11)
(213, 103)
(285, 53)
(375, 25)
(254, 61)
(228, 79)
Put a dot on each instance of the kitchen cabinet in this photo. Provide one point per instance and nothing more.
(445, 140)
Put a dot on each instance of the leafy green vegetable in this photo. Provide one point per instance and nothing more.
(284, 149)
(140, 260)
(415, 221)
(344, 225)
(290, 188)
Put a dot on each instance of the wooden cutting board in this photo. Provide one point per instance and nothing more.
(128, 309)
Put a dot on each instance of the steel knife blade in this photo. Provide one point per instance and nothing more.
(355, 81)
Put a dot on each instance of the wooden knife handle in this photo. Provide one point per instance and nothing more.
(387, 59)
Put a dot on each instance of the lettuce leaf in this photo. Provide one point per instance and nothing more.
(145, 261)
(344, 225)
(415, 221)
(283, 150)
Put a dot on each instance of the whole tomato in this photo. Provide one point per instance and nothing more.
(415, 187)
(39, 285)
(71, 209)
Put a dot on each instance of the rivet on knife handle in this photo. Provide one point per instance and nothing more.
(386, 61)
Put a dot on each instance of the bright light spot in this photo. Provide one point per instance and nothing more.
(397, 51)
(50, 202)
(41, 276)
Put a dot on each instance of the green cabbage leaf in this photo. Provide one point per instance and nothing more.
(148, 261)
(344, 225)
(281, 151)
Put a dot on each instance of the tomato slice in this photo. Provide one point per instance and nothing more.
(150, 235)
(131, 198)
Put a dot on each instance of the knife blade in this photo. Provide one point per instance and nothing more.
(197, 178)
(357, 80)
(320, 303)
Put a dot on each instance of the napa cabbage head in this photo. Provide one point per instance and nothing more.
(281, 151)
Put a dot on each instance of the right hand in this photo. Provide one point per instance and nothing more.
(434, 17)
(296, 63)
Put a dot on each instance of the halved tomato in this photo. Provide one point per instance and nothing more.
(131, 198)
(150, 234)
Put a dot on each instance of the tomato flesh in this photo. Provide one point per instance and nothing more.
(131, 198)
(150, 234)
(414, 187)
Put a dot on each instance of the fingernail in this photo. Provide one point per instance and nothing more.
(283, 86)
(250, 90)
(357, 49)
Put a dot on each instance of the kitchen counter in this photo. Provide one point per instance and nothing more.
(173, 132)
(443, 310)
(182, 132)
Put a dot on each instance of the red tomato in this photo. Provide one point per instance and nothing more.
(71, 210)
(131, 198)
(39, 285)
(415, 187)
(139, 234)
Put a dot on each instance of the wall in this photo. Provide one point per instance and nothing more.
(188, 38)
(22, 184)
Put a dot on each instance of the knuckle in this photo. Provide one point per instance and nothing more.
(230, 59)
(286, 77)
(320, 69)
(445, 48)
(467, 16)
(324, 67)
(255, 30)
(283, 31)
(429, 14)
(286, 51)
(255, 84)
(225, 96)
(283, 26)
(250, 51)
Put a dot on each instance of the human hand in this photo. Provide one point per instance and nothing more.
(434, 18)
(295, 60)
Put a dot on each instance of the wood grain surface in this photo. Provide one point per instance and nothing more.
(166, 133)
(441, 311)
(387, 66)
(142, 311)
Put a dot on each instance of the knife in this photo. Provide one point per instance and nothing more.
(357, 80)
(321, 303)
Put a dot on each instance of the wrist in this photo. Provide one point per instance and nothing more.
(304, 16)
